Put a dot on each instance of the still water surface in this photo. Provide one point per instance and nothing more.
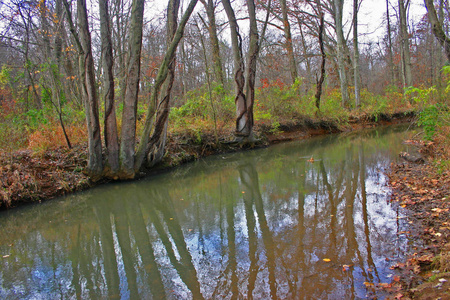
(255, 224)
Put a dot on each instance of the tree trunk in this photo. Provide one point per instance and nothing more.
(338, 8)
(406, 56)
(158, 139)
(163, 71)
(389, 36)
(243, 123)
(212, 29)
(95, 163)
(324, 56)
(253, 52)
(437, 28)
(110, 127)
(288, 36)
(356, 55)
(128, 135)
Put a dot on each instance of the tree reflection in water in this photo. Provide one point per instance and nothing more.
(251, 225)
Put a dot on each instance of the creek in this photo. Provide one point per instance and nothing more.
(306, 219)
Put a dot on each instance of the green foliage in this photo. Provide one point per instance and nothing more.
(198, 105)
(331, 105)
(5, 76)
(428, 119)
(421, 95)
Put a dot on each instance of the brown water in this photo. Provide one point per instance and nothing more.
(255, 224)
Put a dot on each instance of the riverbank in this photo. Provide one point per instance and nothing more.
(29, 178)
(421, 184)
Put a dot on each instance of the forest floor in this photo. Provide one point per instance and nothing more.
(421, 184)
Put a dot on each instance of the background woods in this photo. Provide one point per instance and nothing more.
(125, 75)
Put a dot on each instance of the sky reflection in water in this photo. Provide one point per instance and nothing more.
(255, 224)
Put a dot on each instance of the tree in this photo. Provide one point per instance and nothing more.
(129, 161)
(244, 101)
(214, 40)
(356, 67)
(437, 28)
(338, 6)
(244, 121)
(288, 36)
(144, 149)
(89, 91)
(406, 55)
(110, 127)
(324, 56)
(389, 43)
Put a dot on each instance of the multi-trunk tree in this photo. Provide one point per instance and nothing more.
(125, 162)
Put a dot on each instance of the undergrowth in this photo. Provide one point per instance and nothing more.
(213, 111)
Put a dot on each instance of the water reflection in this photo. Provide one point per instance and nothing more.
(248, 225)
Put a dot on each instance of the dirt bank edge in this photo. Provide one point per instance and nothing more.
(27, 178)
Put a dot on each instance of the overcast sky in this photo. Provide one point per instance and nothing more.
(372, 14)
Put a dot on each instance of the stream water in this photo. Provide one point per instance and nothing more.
(300, 220)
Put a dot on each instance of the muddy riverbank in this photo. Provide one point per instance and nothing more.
(29, 178)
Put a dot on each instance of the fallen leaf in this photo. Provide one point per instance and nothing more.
(396, 278)
(368, 284)
(346, 267)
(399, 296)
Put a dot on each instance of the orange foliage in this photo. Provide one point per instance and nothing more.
(265, 83)
(7, 104)
(53, 137)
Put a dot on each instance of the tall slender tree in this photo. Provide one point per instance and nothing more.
(214, 40)
(356, 67)
(288, 37)
(404, 36)
(338, 7)
(110, 127)
(128, 134)
(437, 27)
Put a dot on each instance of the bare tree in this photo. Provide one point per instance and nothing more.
(338, 6)
(406, 55)
(288, 36)
(356, 68)
(110, 128)
(214, 40)
(89, 91)
(323, 54)
(437, 28)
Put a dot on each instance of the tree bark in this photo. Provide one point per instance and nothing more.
(406, 56)
(158, 139)
(324, 57)
(128, 135)
(356, 55)
(437, 28)
(289, 46)
(253, 52)
(214, 40)
(389, 36)
(338, 8)
(243, 123)
(110, 127)
(95, 163)
(163, 71)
